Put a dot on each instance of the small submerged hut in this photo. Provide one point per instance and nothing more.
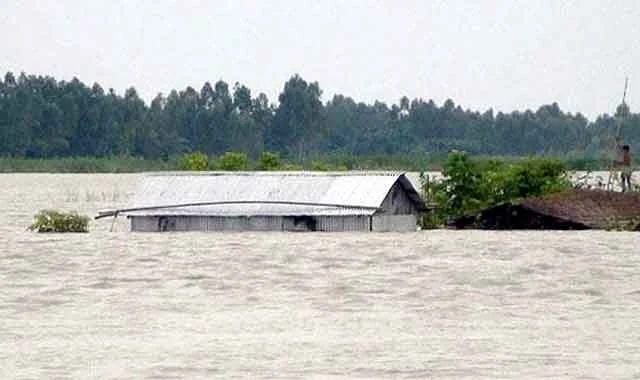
(268, 201)
(569, 210)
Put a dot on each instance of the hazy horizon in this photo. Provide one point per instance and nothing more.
(504, 55)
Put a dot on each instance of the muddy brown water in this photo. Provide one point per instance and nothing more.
(430, 304)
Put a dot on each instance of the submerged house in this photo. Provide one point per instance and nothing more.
(569, 210)
(269, 201)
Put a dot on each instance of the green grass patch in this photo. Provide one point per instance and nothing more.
(232, 161)
(84, 165)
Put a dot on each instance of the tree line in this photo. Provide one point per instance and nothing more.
(41, 117)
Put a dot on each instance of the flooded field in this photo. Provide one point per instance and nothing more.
(430, 304)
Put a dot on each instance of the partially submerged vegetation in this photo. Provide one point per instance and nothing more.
(194, 161)
(264, 161)
(83, 165)
(59, 221)
(470, 185)
(235, 161)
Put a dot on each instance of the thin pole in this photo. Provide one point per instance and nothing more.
(615, 143)
(624, 96)
(115, 216)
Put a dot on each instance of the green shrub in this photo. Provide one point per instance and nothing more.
(195, 161)
(232, 161)
(269, 161)
(59, 221)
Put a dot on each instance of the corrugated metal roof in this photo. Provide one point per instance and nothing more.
(358, 190)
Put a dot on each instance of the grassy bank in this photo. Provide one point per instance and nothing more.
(83, 165)
(333, 162)
(133, 165)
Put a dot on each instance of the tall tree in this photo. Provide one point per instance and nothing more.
(297, 118)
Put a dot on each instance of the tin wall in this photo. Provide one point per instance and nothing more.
(254, 223)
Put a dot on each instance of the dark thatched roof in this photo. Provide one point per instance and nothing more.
(575, 209)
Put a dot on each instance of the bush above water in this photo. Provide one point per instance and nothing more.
(231, 161)
(59, 221)
(194, 161)
(269, 161)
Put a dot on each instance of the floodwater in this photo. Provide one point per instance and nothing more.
(430, 304)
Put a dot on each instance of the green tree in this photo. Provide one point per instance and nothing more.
(470, 186)
(297, 118)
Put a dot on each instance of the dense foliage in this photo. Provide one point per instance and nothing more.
(231, 161)
(41, 117)
(59, 221)
(194, 161)
(469, 186)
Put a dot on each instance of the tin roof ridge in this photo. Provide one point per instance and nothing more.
(302, 173)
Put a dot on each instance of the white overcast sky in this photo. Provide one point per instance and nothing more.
(504, 54)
